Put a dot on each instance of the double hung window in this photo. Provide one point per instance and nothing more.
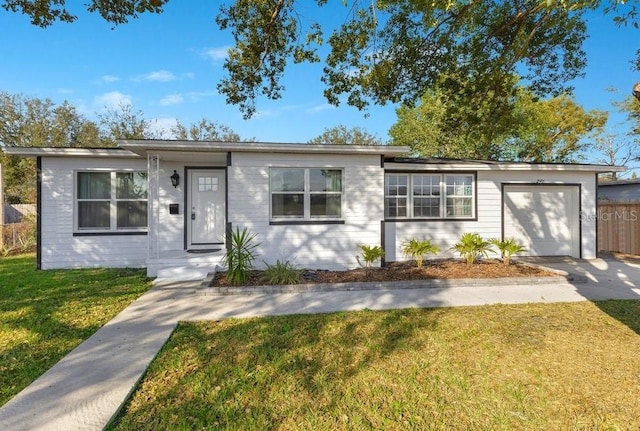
(429, 195)
(305, 193)
(111, 201)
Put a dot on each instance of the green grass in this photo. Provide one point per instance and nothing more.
(45, 314)
(538, 366)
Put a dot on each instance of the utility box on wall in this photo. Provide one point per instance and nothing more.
(174, 208)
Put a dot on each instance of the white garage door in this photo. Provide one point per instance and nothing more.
(545, 219)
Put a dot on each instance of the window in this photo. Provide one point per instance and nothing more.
(111, 201)
(306, 193)
(459, 194)
(429, 195)
(396, 187)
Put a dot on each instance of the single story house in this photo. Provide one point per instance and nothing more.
(619, 190)
(170, 205)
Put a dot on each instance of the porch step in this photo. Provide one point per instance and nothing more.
(180, 266)
(185, 272)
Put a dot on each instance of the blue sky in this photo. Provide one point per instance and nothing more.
(168, 66)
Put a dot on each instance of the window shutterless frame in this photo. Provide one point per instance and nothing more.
(110, 202)
(430, 196)
(305, 194)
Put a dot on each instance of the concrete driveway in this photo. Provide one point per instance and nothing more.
(608, 278)
(88, 386)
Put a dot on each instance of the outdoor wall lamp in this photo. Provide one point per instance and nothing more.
(175, 179)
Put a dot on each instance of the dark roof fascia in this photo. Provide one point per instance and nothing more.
(628, 182)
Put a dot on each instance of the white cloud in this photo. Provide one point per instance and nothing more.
(161, 127)
(195, 96)
(112, 100)
(189, 75)
(171, 99)
(320, 108)
(157, 76)
(65, 91)
(216, 54)
(109, 78)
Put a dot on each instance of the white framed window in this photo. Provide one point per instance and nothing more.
(305, 193)
(110, 201)
(429, 196)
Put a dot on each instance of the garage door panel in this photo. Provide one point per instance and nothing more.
(545, 219)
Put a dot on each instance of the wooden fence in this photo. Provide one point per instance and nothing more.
(15, 213)
(618, 227)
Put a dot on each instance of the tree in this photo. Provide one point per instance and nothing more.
(205, 130)
(342, 136)
(393, 51)
(459, 117)
(33, 122)
(621, 149)
(125, 123)
(43, 13)
(507, 123)
(385, 50)
(617, 151)
(631, 108)
(553, 130)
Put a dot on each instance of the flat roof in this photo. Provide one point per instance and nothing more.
(142, 147)
(627, 182)
(145, 146)
(68, 152)
(395, 156)
(404, 162)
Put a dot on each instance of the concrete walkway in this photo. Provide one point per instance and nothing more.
(87, 387)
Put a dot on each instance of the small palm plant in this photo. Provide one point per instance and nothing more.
(240, 255)
(371, 254)
(472, 247)
(508, 247)
(418, 249)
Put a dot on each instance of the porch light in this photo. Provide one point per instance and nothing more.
(175, 179)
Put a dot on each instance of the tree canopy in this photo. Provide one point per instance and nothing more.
(341, 135)
(384, 50)
(44, 13)
(32, 122)
(509, 123)
(205, 130)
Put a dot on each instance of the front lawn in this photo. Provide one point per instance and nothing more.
(46, 314)
(503, 367)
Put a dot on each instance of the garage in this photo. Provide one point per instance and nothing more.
(544, 218)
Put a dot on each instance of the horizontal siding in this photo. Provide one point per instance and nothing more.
(324, 246)
(445, 233)
(60, 249)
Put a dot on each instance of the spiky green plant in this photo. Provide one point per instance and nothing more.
(508, 247)
(282, 272)
(472, 247)
(240, 255)
(417, 249)
(371, 254)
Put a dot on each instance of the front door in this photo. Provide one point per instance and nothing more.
(205, 208)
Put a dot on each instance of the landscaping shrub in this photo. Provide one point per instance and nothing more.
(418, 249)
(472, 247)
(508, 247)
(282, 272)
(240, 255)
(371, 254)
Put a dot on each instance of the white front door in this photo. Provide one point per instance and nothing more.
(205, 208)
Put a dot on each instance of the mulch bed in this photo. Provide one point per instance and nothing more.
(401, 271)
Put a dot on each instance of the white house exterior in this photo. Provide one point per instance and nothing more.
(309, 204)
